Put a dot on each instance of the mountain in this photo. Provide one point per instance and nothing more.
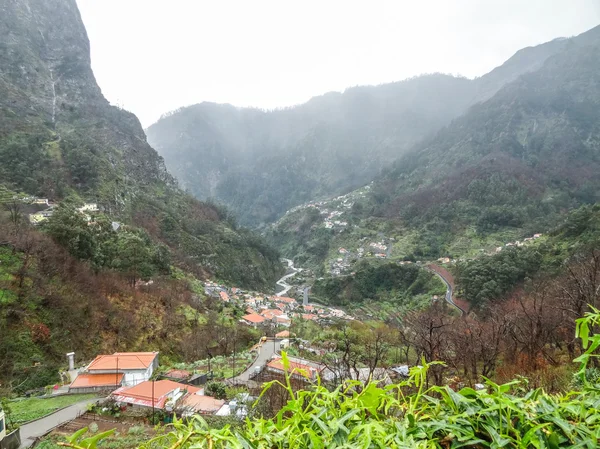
(511, 166)
(60, 138)
(261, 163)
(519, 159)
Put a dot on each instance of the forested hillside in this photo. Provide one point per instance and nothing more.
(125, 273)
(516, 161)
(262, 163)
(60, 138)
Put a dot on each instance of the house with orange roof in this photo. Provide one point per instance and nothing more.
(253, 319)
(298, 368)
(309, 316)
(270, 313)
(161, 394)
(92, 383)
(224, 296)
(200, 404)
(282, 334)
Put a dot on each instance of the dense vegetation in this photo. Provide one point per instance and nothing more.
(493, 277)
(516, 161)
(390, 282)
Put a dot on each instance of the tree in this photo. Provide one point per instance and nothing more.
(216, 389)
(69, 228)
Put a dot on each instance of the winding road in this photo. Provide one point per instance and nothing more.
(267, 350)
(449, 292)
(281, 282)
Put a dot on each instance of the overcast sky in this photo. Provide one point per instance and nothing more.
(153, 56)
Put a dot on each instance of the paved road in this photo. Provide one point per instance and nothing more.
(281, 282)
(449, 292)
(266, 351)
(29, 432)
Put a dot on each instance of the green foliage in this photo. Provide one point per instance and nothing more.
(492, 277)
(375, 281)
(216, 389)
(25, 410)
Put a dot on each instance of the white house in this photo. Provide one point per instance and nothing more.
(131, 368)
(88, 207)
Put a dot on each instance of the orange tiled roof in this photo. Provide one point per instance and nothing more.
(309, 316)
(178, 373)
(206, 404)
(143, 391)
(123, 360)
(283, 299)
(282, 334)
(294, 366)
(272, 312)
(253, 318)
(224, 296)
(87, 380)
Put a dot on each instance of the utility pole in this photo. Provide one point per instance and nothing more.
(153, 423)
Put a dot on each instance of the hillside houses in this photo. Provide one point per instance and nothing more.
(115, 370)
(168, 396)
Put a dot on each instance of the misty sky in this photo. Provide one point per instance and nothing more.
(153, 56)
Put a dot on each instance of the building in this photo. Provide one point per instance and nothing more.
(298, 368)
(160, 394)
(2, 424)
(114, 370)
(92, 383)
(253, 319)
(200, 404)
(38, 217)
(88, 207)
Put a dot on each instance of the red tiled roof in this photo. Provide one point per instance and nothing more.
(282, 334)
(253, 318)
(309, 316)
(294, 366)
(224, 296)
(87, 380)
(123, 360)
(283, 299)
(144, 393)
(272, 312)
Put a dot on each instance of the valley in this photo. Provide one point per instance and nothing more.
(409, 264)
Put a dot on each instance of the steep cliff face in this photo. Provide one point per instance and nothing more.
(59, 137)
(49, 98)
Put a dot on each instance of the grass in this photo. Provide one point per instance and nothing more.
(116, 441)
(25, 410)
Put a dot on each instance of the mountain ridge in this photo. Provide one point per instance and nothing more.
(262, 163)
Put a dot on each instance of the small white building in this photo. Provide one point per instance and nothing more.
(89, 207)
(2, 425)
